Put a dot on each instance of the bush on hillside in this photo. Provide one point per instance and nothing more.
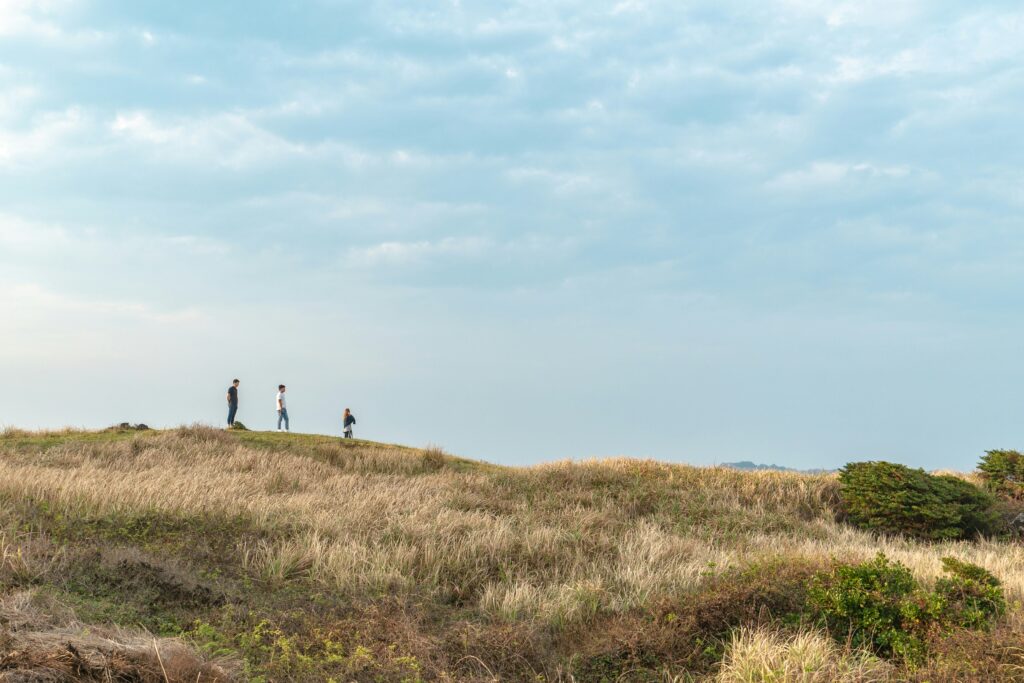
(1003, 472)
(878, 605)
(891, 498)
(971, 596)
(238, 426)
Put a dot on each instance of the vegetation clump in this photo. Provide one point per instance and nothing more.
(878, 605)
(891, 498)
(971, 597)
(1003, 472)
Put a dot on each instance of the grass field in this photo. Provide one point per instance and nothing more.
(198, 555)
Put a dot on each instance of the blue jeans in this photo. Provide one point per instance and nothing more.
(282, 415)
(232, 409)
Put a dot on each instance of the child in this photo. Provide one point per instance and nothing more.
(349, 420)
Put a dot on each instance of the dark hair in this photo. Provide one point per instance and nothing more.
(236, 381)
(280, 386)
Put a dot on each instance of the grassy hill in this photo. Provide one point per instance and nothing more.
(198, 555)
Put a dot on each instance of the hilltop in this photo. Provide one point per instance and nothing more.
(196, 554)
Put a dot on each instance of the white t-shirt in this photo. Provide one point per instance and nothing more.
(280, 397)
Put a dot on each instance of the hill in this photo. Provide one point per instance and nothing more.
(200, 555)
(752, 466)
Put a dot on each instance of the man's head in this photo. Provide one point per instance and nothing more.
(235, 382)
(280, 387)
(347, 411)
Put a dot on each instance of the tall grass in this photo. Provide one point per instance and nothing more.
(557, 542)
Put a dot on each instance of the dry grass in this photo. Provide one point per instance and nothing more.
(555, 546)
(42, 641)
(549, 541)
(766, 656)
(556, 542)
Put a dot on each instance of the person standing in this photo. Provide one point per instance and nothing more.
(349, 420)
(282, 409)
(232, 402)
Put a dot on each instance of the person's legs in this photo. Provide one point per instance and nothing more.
(284, 414)
(280, 417)
(232, 409)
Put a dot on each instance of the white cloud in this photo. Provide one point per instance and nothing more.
(27, 17)
(198, 244)
(45, 303)
(48, 132)
(235, 140)
(846, 13)
(823, 173)
(16, 100)
(225, 139)
(408, 253)
(40, 20)
(562, 182)
(19, 234)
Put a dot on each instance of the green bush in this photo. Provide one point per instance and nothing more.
(1003, 472)
(971, 596)
(891, 498)
(239, 426)
(878, 605)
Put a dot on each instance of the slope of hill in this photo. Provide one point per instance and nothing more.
(199, 555)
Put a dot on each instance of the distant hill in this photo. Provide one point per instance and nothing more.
(748, 466)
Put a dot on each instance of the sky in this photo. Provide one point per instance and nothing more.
(786, 231)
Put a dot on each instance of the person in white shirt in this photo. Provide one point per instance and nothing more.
(282, 409)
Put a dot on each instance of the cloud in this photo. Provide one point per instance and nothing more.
(560, 182)
(235, 140)
(17, 300)
(39, 20)
(858, 13)
(228, 139)
(824, 173)
(46, 133)
(19, 234)
(416, 253)
(16, 100)
(28, 18)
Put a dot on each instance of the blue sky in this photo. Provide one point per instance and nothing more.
(786, 231)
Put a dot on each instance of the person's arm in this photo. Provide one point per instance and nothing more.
(229, 397)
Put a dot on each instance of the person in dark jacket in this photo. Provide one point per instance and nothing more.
(232, 402)
(349, 420)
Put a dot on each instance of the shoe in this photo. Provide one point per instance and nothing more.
(280, 430)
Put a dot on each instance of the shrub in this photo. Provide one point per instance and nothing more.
(434, 458)
(878, 605)
(893, 498)
(972, 597)
(239, 426)
(1003, 472)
